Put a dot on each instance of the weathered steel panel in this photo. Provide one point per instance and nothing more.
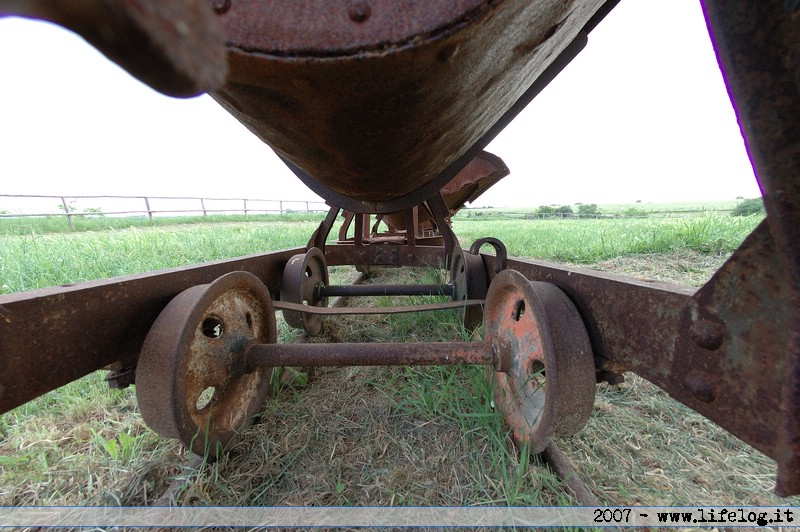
(52, 336)
(370, 111)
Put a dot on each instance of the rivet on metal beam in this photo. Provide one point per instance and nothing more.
(707, 334)
(221, 6)
(701, 387)
(358, 10)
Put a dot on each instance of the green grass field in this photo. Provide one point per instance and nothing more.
(34, 256)
(375, 436)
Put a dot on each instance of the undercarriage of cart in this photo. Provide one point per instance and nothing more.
(384, 110)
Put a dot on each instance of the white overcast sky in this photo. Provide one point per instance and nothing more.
(641, 114)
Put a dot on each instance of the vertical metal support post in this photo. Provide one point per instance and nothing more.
(147, 206)
(358, 235)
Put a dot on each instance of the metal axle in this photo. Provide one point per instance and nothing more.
(384, 290)
(369, 354)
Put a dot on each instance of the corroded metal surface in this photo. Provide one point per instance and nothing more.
(719, 350)
(369, 354)
(482, 172)
(175, 46)
(758, 48)
(53, 336)
(303, 273)
(378, 114)
(190, 380)
(470, 281)
(384, 290)
(355, 311)
(545, 376)
(378, 109)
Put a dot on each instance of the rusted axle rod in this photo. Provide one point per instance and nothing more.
(384, 290)
(369, 354)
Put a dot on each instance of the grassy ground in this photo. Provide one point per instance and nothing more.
(639, 209)
(376, 436)
(34, 260)
(59, 224)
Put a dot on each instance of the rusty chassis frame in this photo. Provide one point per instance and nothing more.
(730, 350)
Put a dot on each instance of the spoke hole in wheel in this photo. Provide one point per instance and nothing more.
(519, 310)
(205, 398)
(249, 319)
(309, 273)
(537, 373)
(212, 327)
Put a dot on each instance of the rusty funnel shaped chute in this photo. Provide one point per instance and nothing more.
(377, 106)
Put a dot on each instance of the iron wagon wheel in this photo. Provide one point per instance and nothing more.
(302, 275)
(469, 279)
(545, 385)
(189, 382)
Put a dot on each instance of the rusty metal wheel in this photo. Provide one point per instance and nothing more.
(189, 382)
(470, 281)
(546, 383)
(301, 277)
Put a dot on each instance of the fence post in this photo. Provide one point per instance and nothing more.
(67, 211)
(203, 206)
(245, 206)
(307, 208)
(280, 206)
(147, 206)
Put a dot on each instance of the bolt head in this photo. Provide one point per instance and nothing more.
(707, 334)
(359, 10)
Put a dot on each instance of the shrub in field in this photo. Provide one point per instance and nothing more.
(633, 212)
(565, 211)
(748, 207)
(587, 209)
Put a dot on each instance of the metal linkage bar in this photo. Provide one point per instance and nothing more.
(354, 311)
(384, 290)
(369, 354)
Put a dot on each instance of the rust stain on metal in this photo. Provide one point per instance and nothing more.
(707, 333)
(545, 378)
(715, 349)
(43, 333)
(303, 273)
(758, 49)
(483, 172)
(369, 354)
(372, 111)
(191, 381)
(354, 311)
(176, 47)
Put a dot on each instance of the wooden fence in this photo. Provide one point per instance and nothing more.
(150, 206)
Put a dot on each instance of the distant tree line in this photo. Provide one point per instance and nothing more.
(748, 207)
(585, 210)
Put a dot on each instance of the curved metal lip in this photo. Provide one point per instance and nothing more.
(367, 42)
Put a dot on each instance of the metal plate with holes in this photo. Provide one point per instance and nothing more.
(189, 383)
(546, 380)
